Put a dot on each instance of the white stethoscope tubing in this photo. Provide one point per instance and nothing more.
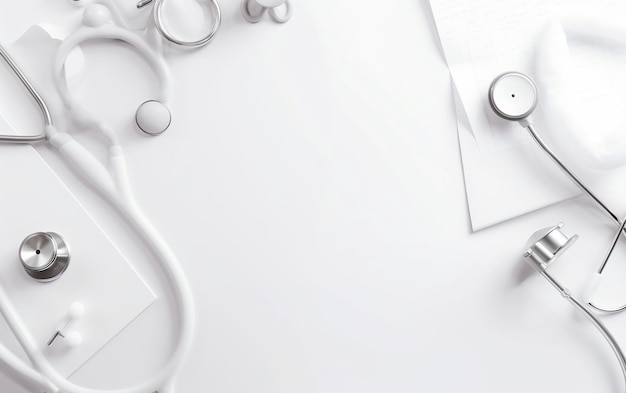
(125, 203)
(77, 110)
(114, 186)
(113, 32)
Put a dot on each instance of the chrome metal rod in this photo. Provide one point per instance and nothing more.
(36, 96)
(571, 174)
(613, 244)
(606, 260)
(617, 350)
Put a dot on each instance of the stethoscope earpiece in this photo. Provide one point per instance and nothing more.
(153, 117)
(253, 10)
(513, 96)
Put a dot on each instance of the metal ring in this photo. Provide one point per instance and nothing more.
(158, 21)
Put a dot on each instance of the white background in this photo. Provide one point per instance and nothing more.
(311, 185)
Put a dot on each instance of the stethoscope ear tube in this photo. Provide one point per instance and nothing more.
(45, 111)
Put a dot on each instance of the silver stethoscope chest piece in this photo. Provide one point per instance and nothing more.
(513, 96)
(44, 255)
(546, 245)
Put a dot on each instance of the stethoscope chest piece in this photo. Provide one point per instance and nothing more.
(513, 96)
(546, 245)
(44, 255)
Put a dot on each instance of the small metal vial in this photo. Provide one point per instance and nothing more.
(44, 255)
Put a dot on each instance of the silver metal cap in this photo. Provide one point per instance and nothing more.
(547, 244)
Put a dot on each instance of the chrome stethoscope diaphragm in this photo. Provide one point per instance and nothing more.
(44, 255)
(513, 96)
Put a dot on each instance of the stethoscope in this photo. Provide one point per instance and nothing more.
(113, 183)
(513, 96)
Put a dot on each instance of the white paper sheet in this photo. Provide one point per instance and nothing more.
(502, 184)
(506, 175)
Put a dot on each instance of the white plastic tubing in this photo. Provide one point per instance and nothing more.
(113, 184)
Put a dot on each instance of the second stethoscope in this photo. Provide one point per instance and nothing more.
(513, 96)
(113, 184)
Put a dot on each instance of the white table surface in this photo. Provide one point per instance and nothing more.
(311, 185)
